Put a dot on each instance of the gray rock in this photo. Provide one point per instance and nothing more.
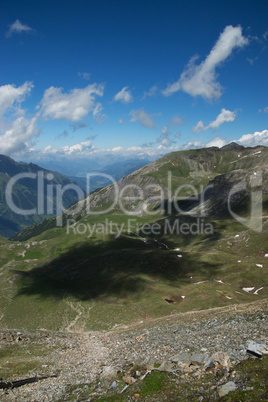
(257, 349)
(182, 358)
(226, 388)
(166, 366)
(218, 359)
(198, 358)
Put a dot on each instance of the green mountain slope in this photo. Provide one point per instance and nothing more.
(197, 182)
(117, 269)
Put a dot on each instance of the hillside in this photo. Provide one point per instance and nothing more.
(116, 268)
(34, 187)
(196, 182)
(161, 287)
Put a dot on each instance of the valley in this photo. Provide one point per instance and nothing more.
(144, 258)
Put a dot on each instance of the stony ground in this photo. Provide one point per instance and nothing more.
(181, 344)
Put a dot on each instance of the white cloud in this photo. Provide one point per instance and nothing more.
(193, 145)
(257, 138)
(199, 127)
(11, 96)
(247, 140)
(226, 116)
(81, 148)
(201, 80)
(18, 137)
(84, 148)
(73, 106)
(124, 96)
(216, 142)
(18, 27)
(142, 117)
(152, 92)
(87, 149)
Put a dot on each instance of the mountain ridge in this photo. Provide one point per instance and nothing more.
(30, 181)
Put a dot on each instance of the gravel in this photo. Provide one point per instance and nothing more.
(79, 358)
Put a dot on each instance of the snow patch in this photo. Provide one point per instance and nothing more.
(256, 291)
(248, 289)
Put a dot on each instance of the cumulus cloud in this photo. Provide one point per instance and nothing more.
(215, 142)
(18, 27)
(252, 140)
(226, 116)
(82, 149)
(199, 127)
(73, 106)
(201, 80)
(11, 96)
(18, 137)
(142, 117)
(247, 140)
(124, 96)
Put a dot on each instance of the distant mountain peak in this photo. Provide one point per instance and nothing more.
(233, 146)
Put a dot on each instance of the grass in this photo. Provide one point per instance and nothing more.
(108, 280)
(250, 377)
(20, 361)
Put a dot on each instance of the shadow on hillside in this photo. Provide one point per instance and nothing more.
(118, 268)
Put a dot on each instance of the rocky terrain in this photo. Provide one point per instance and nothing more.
(190, 356)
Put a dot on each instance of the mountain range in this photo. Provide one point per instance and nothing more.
(186, 232)
(30, 181)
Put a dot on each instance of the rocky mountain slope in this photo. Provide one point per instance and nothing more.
(32, 182)
(120, 306)
(196, 182)
(198, 356)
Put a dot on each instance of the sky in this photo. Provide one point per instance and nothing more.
(93, 79)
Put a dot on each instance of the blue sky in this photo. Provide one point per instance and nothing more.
(84, 79)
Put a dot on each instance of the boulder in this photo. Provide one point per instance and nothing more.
(226, 388)
(257, 349)
(198, 358)
(218, 360)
